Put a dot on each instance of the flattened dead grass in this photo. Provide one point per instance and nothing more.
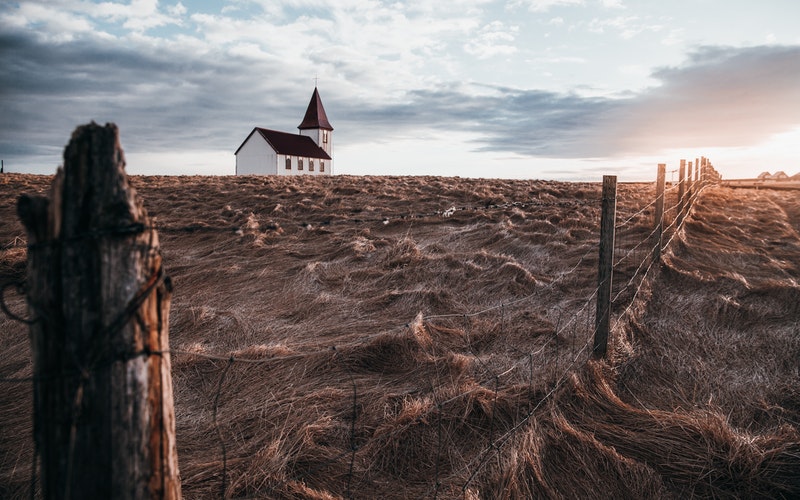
(406, 337)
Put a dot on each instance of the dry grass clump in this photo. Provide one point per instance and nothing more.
(386, 354)
(402, 253)
(699, 452)
(553, 459)
(406, 337)
(13, 261)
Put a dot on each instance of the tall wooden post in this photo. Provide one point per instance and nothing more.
(697, 177)
(681, 191)
(659, 211)
(702, 172)
(104, 424)
(696, 170)
(605, 267)
(705, 173)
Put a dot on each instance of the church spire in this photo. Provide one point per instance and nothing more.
(315, 115)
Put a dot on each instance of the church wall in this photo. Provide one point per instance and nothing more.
(317, 135)
(282, 170)
(256, 157)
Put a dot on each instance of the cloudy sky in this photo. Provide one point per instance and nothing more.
(546, 89)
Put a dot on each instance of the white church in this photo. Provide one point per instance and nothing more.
(269, 152)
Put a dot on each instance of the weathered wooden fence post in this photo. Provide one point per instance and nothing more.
(681, 192)
(696, 172)
(605, 268)
(659, 211)
(704, 171)
(697, 184)
(687, 205)
(104, 424)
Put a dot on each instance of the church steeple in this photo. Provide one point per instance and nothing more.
(315, 114)
(315, 124)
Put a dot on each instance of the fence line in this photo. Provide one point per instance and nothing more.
(643, 268)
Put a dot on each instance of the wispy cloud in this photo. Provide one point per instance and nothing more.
(626, 26)
(612, 4)
(545, 5)
(492, 40)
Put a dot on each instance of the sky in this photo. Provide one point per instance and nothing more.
(535, 89)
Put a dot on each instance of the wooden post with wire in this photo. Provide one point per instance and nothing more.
(681, 192)
(697, 183)
(703, 172)
(605, 267)
(659, 211)
(689, 189)
(104, 423)
(696, 171)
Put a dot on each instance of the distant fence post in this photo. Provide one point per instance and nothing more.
(605, 267)
(696, 170)
(681, 192)
(659, 211)
(689, 188)
(704, 171)
(697, 177)
(104, 423)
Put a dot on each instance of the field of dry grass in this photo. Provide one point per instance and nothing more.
(428, 337)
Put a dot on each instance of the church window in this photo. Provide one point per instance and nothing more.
(325, 136)
(322, 165)
(299, 164)
(310, 165)
(288, 163)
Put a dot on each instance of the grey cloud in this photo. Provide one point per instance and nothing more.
(161, 99)
(721, 97)
(535, 123)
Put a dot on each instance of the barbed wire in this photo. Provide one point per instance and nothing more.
(633, 250)
(635, 274)
(620, 225)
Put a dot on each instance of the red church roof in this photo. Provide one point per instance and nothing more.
(315, 114)
(289, 144)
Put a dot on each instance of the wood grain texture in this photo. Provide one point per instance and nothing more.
(104, 422)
